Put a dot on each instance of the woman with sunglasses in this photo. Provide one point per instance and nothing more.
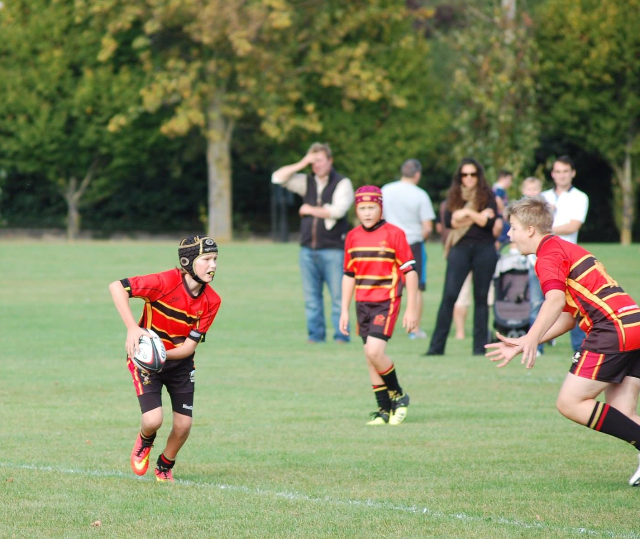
(470, 213)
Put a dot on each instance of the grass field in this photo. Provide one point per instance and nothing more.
(279, 446)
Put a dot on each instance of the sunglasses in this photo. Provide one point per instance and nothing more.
(472, 174)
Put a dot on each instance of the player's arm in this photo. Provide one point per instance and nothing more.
(134, 332)
(410, 319)
(565, 323)
(186, 349)
(348, 286)
(505, 350)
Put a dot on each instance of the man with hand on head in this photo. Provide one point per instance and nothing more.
(327, 197)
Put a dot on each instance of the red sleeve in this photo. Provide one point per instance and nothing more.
(348, 261)
(404, 256)
(209, 316)
(148, 287)
(552, 268)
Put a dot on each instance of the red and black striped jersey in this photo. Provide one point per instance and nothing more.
(608, 315)
(170, 309)
(378, 259)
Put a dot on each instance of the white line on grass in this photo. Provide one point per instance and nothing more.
(369, 504)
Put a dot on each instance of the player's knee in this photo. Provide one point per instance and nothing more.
(566, 406)
(182, 425)
(151, 421)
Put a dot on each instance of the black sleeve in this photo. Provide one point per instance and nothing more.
(126, 285)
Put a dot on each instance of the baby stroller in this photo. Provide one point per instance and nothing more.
(511, 305)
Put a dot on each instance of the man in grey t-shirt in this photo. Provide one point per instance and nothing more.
(409, 208)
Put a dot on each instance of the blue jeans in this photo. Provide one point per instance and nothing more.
(319, 266)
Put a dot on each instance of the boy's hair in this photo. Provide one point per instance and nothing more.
(532, 211)
(504, 174)
(530, 180)
(321, 147)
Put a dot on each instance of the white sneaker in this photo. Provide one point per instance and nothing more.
(418, 334)
(635, 478)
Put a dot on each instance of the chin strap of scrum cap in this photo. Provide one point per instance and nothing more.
(192, 248)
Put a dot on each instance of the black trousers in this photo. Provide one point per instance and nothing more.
(481, 259)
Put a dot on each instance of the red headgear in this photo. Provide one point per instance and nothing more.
(369, 193)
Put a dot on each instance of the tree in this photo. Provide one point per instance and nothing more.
(589, 80)
(493, 89)
(211, 62)
(58, 100)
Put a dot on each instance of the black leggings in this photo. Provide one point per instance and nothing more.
(481, 259)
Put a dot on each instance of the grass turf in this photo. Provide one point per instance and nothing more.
(279, 447)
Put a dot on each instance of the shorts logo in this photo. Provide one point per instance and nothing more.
(379, 320)
(576, 356)
(192, 376)
(187, 407)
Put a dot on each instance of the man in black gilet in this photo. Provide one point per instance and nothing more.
(327, 197)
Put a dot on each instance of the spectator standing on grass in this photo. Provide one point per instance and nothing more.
(327, 196)
(570, 206)
(471, 213)
(577, 288)
(409, 207)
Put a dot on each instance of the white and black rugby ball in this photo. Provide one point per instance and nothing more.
(151, 352)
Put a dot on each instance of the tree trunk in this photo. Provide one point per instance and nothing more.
(219, 173)
(72, 194)
(73, 212)
(625, 182)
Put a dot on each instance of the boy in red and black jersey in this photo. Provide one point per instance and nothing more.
(180, 307)
(577, 287)
(377, 261)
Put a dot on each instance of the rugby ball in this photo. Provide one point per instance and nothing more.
(151, 353)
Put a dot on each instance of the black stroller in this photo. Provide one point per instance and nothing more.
(511, 305)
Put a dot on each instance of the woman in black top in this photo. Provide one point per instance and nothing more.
(471, 213)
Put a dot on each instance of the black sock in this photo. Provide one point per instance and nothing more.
(164, 463)
(391, 380)
(147, 440)
(382, 398)
(614, 423)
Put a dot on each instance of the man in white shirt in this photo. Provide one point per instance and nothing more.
(570, 206)
(409, 207)
(327, 197)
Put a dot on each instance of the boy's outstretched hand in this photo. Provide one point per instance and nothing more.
(508, 348)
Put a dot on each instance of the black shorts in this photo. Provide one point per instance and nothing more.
(377, 319)
(606, 367)
(177, 376)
